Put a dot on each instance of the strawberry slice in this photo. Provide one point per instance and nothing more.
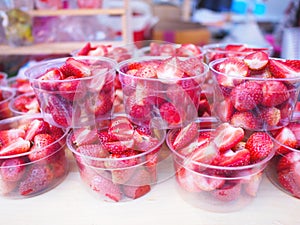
(270, 115)
(84, 135)
(233, 158)
(246, 96)
(12, 169)
(169, 113)
(36, 126)
(260, 146)
(85, 49)
(72, 89)
(144, 142)
(185, 179)
(208, 183)
(257, 60)
(286, 139)
(188, 50)
(246, 120)
(147, 71)
(98, 50)
(185, 135)
(118, 147)
(169, 70)
(274, 93)
(76, 68)
(295, 128)
(227, 136)
(44, 146)
(91, 150)
(288, 161)
(284, 68)
(138, 185)
(251, 183)
(46, 79)
(224, 109)
(121, 128)
(235, 47)
(233, 67)
(18, 146)
(157, 49)
(286, 179)
(205, 153)
(8, 136)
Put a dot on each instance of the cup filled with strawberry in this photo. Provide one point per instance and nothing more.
(32, 156)
(24, 103)
(74, 91)
(21, 85)
(284, 169)
(219, 167)
(6, 95)
(162, 91)
(255, 92)
(118, 160)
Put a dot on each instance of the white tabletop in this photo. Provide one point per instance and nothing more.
(71, 204)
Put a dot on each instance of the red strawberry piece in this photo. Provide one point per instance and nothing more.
(118, 147)
(60, 109)
(92, 155)
(169, 113)
(246, 96)
(22, 85)
(157, 49)
(227, 136)
(295, 128)
(230, 191)
(235, 47)
(204, 108)
(143, 129)
(233, 67)
(8, 136)
(205, 153)
(152, 160)
(49, 80)
(284, 68)
(185, 135)
(144, 142)
(99, 50)
(185, 179)
(121, 128)
(270, 115)
(138, 185)
(106, 187)
(287, 161)
(286, 179)
(36, 126)
(122, 166)
(76, 68)
(169, 69)
(26, 103)
(57, 133)
(13, 169)
(274, 93)
(224, 110)
(187, 50)
(140, 112)
(233, 158)
(251, 183)
(192, 88)
(100, 105)
(257, 60)
(286, 140)
(260, 146)
(84, 136)
(85, 49)
(18, 146)
(38, 178)
(246, 120)
(71, 88)
(147, 71)
(104, 136)
(44, 146)
(192, 66)
(206, 183)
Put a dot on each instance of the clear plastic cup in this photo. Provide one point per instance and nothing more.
(162, 91)
(74, 91)
(32, 161)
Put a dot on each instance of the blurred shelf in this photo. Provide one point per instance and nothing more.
(67, 47)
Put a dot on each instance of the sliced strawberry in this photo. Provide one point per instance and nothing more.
(233, 158)
(147, 71)
(170, 114)
(260, 146)
(295, 128)
(12, 169)
(38, 178)
(169, 69)
(227, 136)
(92, 150)
(205, 153)
(185, 135)
(233, 67)
(121, 128)
(85, 49)
(18, 146)
(185, 179)
(287, 161)
(44, 146)
(251, 184)
(99, 50)
(106, 187)
(286, 139)
(247, 96)
(157, 49)
(204, 108)
(274, 93)
(104, 136)
(270, 115)
(138, 185)
(230, 191)
(257, 60)
(72, 89)
(47, 80)
(206, 183)
(235, 47)
(284, 68)
(76, 68)
(118, 147)
(36, 126)
(224, 109)
(100, 105)
(84, 135)
(187, 50)
(286, 179)
(143, 142)
(8, 136)
(246, 120)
